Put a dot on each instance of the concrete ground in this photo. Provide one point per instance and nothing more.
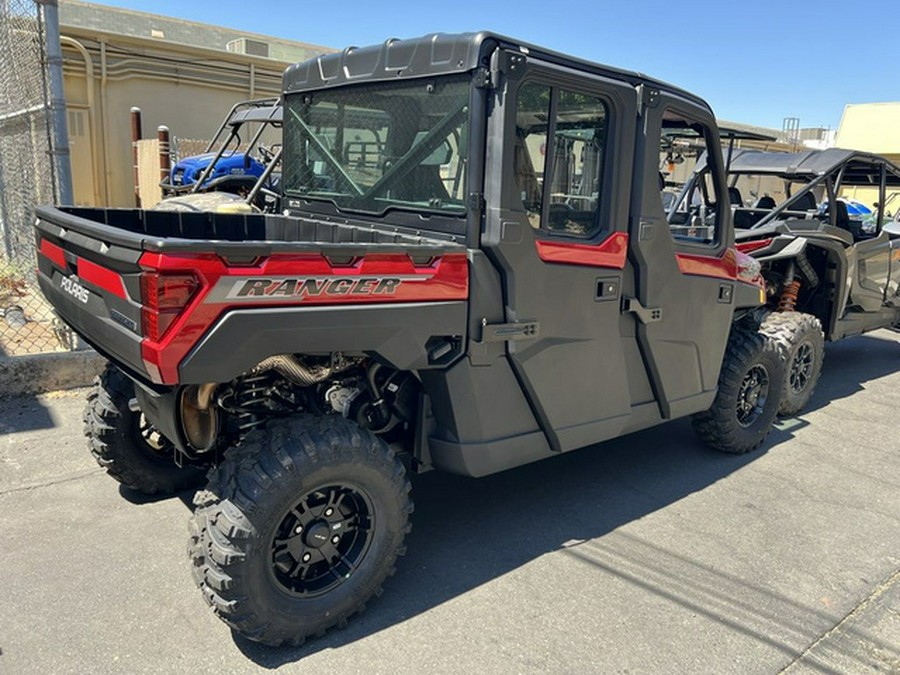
(646, 554)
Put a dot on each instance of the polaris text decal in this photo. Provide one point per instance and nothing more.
(309, 287)
(71, 286)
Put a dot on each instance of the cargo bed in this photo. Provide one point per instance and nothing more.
(107, 272)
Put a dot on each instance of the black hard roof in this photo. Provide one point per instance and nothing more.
(270, 113)
(743, 134)
(811, 164)
(439, 53)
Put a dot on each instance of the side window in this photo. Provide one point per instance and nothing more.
(532, 115)
(559, 155)
(694, 215)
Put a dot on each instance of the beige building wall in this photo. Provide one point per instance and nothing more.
(185, 87)
(872, 127)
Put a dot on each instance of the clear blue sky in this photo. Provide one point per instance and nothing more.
(755, 61)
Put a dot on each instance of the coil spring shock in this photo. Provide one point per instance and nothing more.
(789, 293)
(241, 402)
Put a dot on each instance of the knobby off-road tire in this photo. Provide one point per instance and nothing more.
(126, 445)
(298, 528)
(749, 395)
(801, 336)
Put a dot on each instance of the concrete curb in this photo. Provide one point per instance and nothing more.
(40, 373)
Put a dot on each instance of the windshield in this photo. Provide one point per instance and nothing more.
(378, 146)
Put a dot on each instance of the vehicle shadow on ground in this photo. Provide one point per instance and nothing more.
(467, 532)
(850, 363)
(141, 499)
(24, 413)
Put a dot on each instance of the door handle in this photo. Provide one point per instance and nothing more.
(502, 332)
(644, 314)
(607, 289)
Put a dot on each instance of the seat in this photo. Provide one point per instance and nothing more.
(527, 180)
(807, 202)
(745, 218)
(424, 184)
(734, 196)
(764, 202)
(841, 219)
(841, 216)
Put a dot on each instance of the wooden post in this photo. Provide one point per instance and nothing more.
(165, 159)
(135, 137)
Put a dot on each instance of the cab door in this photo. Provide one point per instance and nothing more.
(558, 171)
(870, 264)
(684, 263)
(873, 261)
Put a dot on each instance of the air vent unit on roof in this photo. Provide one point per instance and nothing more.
(249, 47)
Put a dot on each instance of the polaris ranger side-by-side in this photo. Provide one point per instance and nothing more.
(473, 271)
(828, 275)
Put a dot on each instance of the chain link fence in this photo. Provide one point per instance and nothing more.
(27, 325)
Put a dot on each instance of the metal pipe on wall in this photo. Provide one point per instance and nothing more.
(91, 112)
(4, 219)
(135, 137)
(104, 112)
(57, 98)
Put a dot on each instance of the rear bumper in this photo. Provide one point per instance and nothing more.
(99, 320)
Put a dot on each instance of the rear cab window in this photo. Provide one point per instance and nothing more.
(696, 215)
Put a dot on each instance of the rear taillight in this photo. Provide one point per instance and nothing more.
(748, 269)
(163, 297)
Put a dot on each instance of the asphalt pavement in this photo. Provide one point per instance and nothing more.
(648, 554)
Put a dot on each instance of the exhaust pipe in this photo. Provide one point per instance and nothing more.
(199, 419)
(293, 369)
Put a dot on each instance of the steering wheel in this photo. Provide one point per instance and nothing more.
(265, 153)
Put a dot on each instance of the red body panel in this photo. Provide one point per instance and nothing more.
(54, 253)
(724, 267)
(443, 278)
(101, 277)
(610, 252)
(754, 245)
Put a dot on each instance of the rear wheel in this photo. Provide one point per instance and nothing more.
(801, 336)
(299, 527)
(125, 444)
(749, 395)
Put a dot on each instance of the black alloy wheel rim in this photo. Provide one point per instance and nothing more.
(752, 395)
(322, 540)
(801, 368)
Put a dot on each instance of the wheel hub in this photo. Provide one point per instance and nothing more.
(317, 534)
(752, 395)
(321, 540)
(801, 368)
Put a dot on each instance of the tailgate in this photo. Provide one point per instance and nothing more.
(90, 274)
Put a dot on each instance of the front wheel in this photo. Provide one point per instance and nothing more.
(299, 527)
(749, 395)
(801, 337)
